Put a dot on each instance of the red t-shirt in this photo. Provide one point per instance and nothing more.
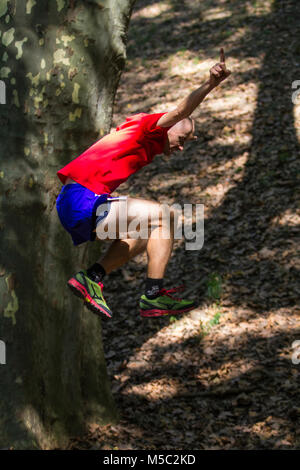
(112, 159)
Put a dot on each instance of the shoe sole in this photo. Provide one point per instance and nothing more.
(80, 291)
(164, 313)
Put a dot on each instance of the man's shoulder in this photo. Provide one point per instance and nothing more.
(141, 126)
(134, 119)
(141, 117)
(149, 121)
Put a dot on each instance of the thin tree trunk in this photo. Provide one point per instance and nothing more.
(61, 63)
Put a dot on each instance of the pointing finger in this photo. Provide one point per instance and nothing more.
(222, 55)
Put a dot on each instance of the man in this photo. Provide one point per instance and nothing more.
(89, 181)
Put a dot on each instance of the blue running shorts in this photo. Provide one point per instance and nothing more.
(76, 207)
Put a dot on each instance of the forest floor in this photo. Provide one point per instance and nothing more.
(226, 375)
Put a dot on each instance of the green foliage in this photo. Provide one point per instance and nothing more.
(173, 319)
(214, 286)
(214, 291)
(216, 319)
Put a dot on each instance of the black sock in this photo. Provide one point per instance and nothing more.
(153, 286)
(96, 272)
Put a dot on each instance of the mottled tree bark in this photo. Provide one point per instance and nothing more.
(60, 62)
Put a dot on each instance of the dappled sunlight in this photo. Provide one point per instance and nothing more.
(275, 322)
(288, 218)
(237, 164)
(259, 7)
(167, 106)
(297, 117)
(187, 67)
(237, 102)
(268, 429)
(153, 390)
(234, 169)
(226, 358)
(199, 327)
(152, 11)
(216, 194)
(235, 36)
(185, 326)
(246, 66)
(231, 138)
(216, 14)
(32, 421)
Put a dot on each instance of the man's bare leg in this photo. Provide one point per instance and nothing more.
(159, 251)
(139, 214)
(159, 243)
(120, 252)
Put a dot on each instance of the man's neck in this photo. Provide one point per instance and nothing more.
(167, 146)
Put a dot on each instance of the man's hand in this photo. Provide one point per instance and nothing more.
(219, 72)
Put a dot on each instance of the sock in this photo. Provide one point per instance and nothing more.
(153, 287)
(96, 272)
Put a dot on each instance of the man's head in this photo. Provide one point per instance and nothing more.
(179, 134)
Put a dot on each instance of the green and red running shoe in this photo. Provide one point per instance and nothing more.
(165, 304)
(91, 292)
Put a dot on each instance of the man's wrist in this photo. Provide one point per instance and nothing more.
(210, 86)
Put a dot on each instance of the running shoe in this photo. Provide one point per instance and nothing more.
(165, 304)
(91, 292)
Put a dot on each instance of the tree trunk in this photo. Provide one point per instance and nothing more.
(61, 63)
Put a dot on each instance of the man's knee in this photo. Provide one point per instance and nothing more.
(162, 219)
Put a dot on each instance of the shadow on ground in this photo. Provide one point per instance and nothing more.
(250, 240)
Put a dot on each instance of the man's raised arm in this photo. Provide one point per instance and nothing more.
(218, 73)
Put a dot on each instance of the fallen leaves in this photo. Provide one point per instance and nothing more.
(234, 387)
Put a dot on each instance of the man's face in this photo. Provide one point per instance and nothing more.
(178, 135)
(175, 141)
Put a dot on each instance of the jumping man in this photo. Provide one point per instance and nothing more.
(89, 181)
